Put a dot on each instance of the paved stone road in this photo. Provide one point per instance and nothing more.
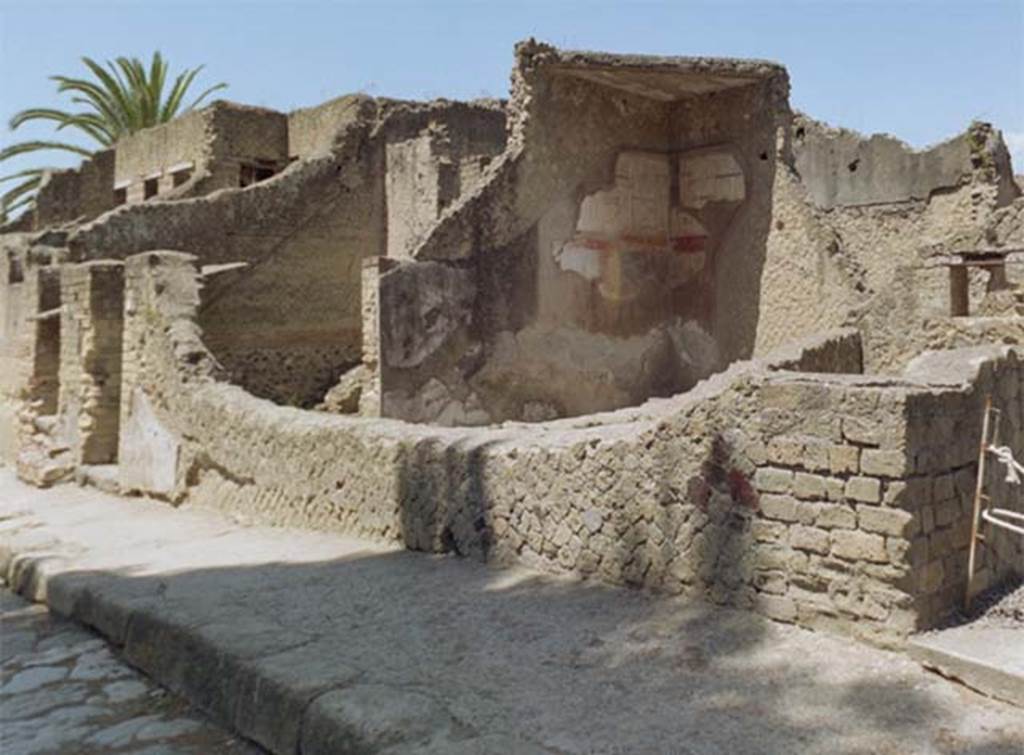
(325, 644)
(62, 690)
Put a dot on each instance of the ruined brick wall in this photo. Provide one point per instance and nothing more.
(209, 144)
(17, 286)
(434, 153)
(91, 322)
(797, 496)
(582, 275)
(288, 324)
(76, 194)
(314, 131)
(853, 221)
(944, 432)
(152, 152)
(742, 124)
(239, 134)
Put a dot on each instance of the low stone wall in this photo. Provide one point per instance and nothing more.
(806, 498)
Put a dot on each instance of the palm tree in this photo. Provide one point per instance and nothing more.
(119, 99)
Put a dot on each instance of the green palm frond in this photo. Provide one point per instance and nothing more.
(118, 98)
(8, 198)
(204, 95)
(23, 174)
(22, 148)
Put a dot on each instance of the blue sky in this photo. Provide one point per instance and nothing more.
(919, 69)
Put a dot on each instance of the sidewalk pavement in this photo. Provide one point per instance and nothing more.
(314, 643)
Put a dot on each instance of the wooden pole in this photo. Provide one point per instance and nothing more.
(978, 494)
(959, 305)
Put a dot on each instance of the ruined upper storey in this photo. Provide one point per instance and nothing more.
(223, 146)
(622, 228)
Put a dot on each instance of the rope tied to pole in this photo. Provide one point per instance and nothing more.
(1014, 469)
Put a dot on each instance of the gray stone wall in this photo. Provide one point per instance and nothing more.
(798, 496)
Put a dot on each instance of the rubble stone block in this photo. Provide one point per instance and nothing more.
(778, 607)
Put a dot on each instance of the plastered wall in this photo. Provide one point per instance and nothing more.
(582, 275)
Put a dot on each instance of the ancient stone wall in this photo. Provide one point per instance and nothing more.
(741, 125)
(200, 151)
(314, 131)
(582, 274)
(78, 193)
(17, 285)
(181, 144)
(289, 323)
(91, 322)
(240, 135)
(858, 240)
(432, 157)
(799, 496)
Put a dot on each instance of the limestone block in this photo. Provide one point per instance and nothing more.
(842, 459)
(835, 488)
(773, 582)
(786, 452)
(859, 546)
(778, 607)
(884, 463)
(808, 486)
(809, 539)
(780, 558)
(864, 489)
(835, 516)
(885, 521)
(149, 453)
(783, 508)
(764, 531)
(773, 480)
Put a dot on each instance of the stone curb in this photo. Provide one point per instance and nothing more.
(286, 712)
(310, 643)
(990, 661)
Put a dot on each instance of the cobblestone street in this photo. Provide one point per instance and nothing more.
(62, 690)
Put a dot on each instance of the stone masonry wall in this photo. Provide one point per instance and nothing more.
(783, 492)
(288, 324)
(15, 338)
(92, 296)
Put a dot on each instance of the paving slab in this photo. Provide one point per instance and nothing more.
(988, 659)
(332, 644)
(63, 690)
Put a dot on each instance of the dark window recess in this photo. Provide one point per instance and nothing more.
(150, 188)
(120, 196)
(15, 272)
(249, 173)
(179, 177)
